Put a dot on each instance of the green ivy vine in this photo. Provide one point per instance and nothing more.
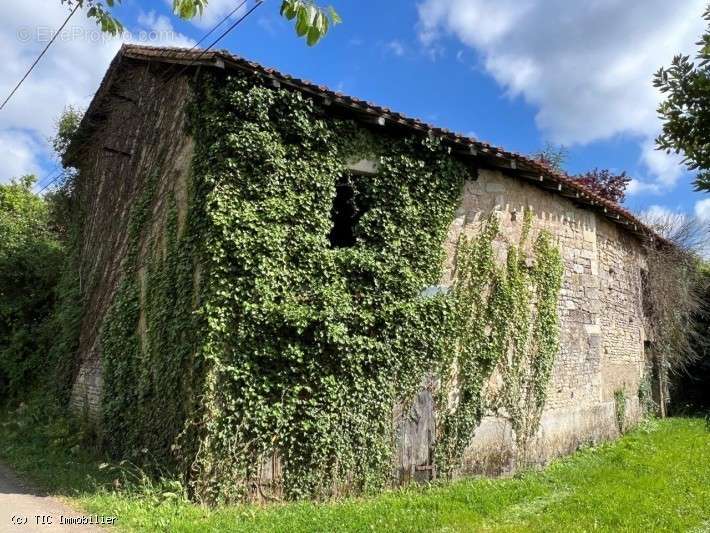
(149, 337)
(249, 336)
(294, 348)
(505, 318)
(532, 293)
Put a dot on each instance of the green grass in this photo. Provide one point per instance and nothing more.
(656, 478)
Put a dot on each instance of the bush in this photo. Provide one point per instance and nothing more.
(30, 259)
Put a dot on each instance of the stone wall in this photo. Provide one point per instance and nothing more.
(139, 136)
(142, 132)
(602, 335)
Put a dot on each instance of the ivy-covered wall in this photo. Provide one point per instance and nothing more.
(135, 141)
(242, 342)
(309, 345)
(601, 326)
(247, 328)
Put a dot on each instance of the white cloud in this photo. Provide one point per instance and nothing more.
(587, 67)
(19, 157)
(157, 30)
(636, 187)
(666, 168)
(396, 47)
(69, 74)
(702, 210)
(657, 212)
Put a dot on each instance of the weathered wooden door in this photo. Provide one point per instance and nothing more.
(415, 433)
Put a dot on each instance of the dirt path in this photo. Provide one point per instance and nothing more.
(23, 508)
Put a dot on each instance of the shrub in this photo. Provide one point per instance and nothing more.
(30, 257)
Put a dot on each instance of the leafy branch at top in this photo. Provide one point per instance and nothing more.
(100, 13)
(311, 21)
(685, 112)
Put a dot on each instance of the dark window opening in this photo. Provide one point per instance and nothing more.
(344, 215)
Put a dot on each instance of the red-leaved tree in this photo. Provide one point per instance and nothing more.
(605, 183)
(601, 181)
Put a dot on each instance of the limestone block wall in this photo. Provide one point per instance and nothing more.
(602, 335)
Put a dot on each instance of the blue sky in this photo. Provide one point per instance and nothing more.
(515, 73)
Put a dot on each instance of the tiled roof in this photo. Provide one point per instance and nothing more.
(515, 164)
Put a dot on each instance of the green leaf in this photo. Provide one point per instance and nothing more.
(319, 22)
(187, 9)
(311, 12)
(288, 9)
(334, 15)
(302, 25)
(314, 36)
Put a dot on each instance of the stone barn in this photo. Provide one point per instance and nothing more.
(277, 281)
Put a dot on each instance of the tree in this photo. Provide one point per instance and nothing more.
(686, 109)
(30, 262)
(603, 182)
(66, 127)
(689, 389)
(59, 193)
(311, 21)
(34, 237)
(552, 157)
(675, 290)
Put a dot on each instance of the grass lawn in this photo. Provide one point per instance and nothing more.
(656, 478)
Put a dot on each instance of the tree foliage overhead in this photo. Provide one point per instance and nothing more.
(603, 182)
(311, 20)
(686, 109)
